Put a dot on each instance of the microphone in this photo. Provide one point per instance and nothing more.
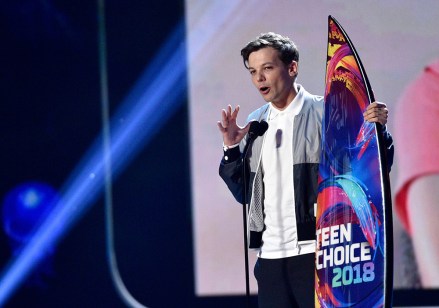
(257, 129)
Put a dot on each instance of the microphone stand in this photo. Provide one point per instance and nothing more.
(256, 129)
(251, 138)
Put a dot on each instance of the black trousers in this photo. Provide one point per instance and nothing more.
(286, 283)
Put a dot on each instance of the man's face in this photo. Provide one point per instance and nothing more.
(273, 79)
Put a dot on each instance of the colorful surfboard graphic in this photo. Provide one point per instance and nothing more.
(354, 247)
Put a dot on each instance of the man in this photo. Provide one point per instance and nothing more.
(283, 172)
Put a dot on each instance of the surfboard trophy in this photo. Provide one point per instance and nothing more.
(354, 253)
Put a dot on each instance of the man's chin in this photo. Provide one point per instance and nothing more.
(266, 98)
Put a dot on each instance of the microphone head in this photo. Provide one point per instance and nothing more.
(263, 126)
(257, 128)
(254, 127)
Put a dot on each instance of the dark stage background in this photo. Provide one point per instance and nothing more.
(50, 114)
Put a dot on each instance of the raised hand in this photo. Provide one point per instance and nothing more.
(232, 133)
(376, 112)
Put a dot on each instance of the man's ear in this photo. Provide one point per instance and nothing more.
(293, 68)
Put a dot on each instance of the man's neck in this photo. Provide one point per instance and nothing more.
(283, 104)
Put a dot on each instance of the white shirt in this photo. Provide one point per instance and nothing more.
(279, 239)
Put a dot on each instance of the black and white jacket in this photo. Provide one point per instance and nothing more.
(307, 137)
(307, 133)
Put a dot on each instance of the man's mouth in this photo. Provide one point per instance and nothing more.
(264, 90)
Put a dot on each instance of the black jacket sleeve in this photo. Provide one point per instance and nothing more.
(389, 149)
(230, 170)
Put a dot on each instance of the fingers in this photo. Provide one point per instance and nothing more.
(221, 127)
(232, 133)
(378, 104)
(376, 112)
(232, 115)
(228, 116)
(235, 113)
(224, 121)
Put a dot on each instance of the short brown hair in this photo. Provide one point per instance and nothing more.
(287, 49)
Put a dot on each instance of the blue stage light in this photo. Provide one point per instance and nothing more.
(24, 208)
(156, 97)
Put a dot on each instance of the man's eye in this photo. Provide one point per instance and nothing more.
(252, 72)
(268, 68)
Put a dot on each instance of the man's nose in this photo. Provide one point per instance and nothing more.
(260, 76)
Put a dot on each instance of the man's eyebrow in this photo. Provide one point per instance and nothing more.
(265, 63)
